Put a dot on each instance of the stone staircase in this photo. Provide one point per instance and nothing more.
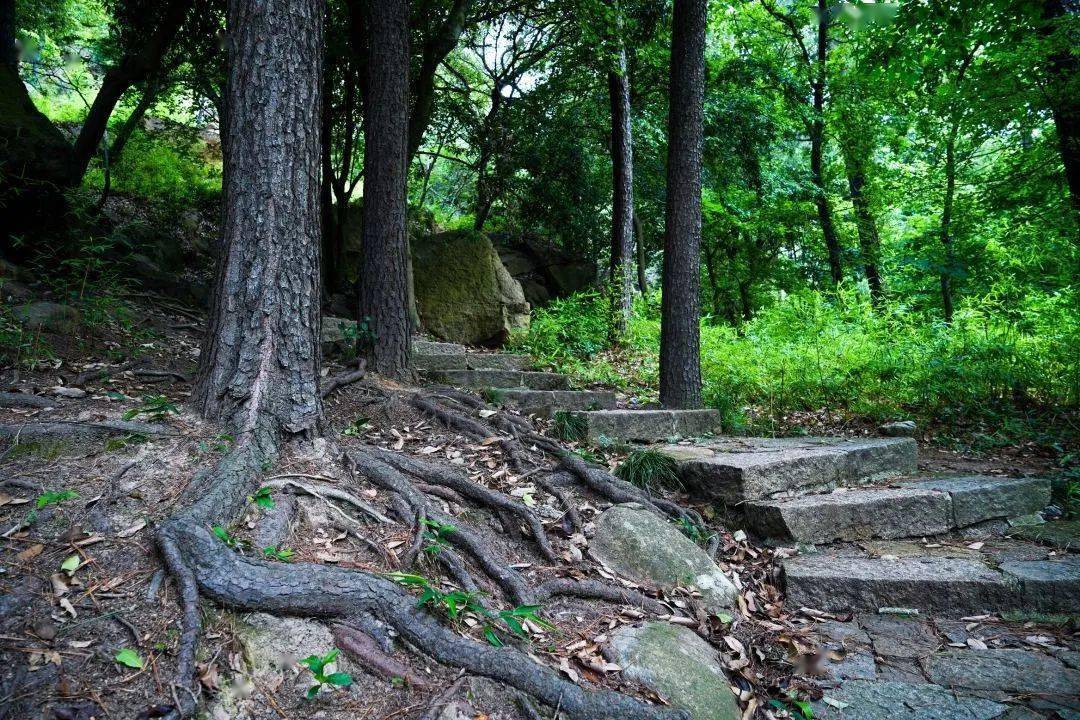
(871, 533)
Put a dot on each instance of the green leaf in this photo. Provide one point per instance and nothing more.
(492, 637)
(340, 679)
(70, 564)
(313, 691)
(127, 656)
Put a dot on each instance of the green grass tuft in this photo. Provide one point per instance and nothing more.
(569, 427)
(650, 470)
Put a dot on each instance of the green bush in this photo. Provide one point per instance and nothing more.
(161, 168)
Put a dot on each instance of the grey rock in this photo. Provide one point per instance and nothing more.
(1008, 670)
(649, 425)
(501, 379)
(847, 634)
(425, 363)
(68, 392)
(1064, 534)
(1019, 712)
(431, 347)
(338, 334)
(897, 638)
(735, 470)
(1047, 585)
(858, 665)
(899, 428)
(48, 316)
(884, 700)
(498, 361)
(272, 643)
(978, 498)
(641, 546)
(546, 402)
(13, 290)
(899, 670)
(675, 663)
(853, 515)
(946, 585)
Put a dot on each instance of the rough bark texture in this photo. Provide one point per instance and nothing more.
(621, 272)
(384, 291)
(260, 358)
(680, 360)
(869, 243)
(817, 147)
(139, 62)
(8, 53)
(1064, 103)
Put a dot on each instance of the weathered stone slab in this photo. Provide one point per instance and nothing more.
(1064, 534)
(674, 662)
(431, 347)
(650, 425)
(1047, 585)
(498, 361)
(946, 585)
(643, 547)
(1009, 670)
(502, 379)
(979, 498)
(899, 428)
(546, 402)
(439, 362)
(899, 637)
(734, 470)
(875, 700)
(886, 513)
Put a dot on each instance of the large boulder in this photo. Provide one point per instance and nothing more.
(641, 546)
(544, 270)
(463, 292)
(675, 663)
(48, 316)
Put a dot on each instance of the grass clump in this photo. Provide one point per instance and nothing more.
(650, 470)
(493, 395)
(569, 427)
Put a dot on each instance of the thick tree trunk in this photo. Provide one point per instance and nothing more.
(384, 271)
(1064, 103)
(946, 223)
(869, 243)
(639, 246)
(680, 361)
(817, 148)
(9, 54)
(621, 273)
(259, 368)
(137, 64)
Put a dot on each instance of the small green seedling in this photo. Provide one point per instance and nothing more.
(262, 498)
(227, 537)
(317, 666)
(155, 407)
(436, 534)
(55, 498)
(797, 708)
(282, 554)
(693, 531)
(356, 428)
(130, 658)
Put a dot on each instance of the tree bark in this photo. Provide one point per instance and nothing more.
(946, 222)
(621, 274)
(384, 272)
(680, 361)
(137, 65)
(1064, 104)
(639, 247)
(260, 364)
(869, 243)
(817, 147)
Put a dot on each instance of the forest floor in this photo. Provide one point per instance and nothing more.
(89, 625)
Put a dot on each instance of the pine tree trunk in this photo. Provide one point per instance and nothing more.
(817, 148)
(946, 223)
(621, 273)
(680, 361)
(869, 243)
(384, 265)
(260, 364)
(1064, 104)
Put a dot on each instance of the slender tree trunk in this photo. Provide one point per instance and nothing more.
(260, 364)
(1064, 103)
(331, 277)
(435, 50)
(869, 243)
(384, 272)
(946, 223)
(639, 246)
(621, 274)
(146, 101)
(817, 148)
(137, 64)
(680, 356)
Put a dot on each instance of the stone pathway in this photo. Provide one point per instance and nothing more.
(922, 584)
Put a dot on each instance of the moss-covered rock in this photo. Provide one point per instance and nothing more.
(463, 291)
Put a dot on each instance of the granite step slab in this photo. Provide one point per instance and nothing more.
(498, 361)
(733, 470)
(979, 498)
(545, 403)
(648, 426)
(501, 379)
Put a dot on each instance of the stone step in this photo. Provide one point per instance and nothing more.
(648, 426)
(946, 585)
(546, 403)
(918, 508)
(471, 361)
(432, 347)
(734, 470)
(501, 379)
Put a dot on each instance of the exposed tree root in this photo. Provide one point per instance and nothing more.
(25, 400)
(70, 430)
(596, 590)
(365, 650)
(325, 491)
(342, 379)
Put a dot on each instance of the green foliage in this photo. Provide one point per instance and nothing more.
(129, 658)
(156, 408)
(281, 554)
(493, 395)
(568, 426)
(316, 664)
(649, 469)
(356, 427)
(436, 534)
(227, 537)
(161, 166)
(263, 498)
(54, 498)
(693, 531)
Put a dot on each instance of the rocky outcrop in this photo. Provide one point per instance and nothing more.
(544, 270)
(48, 316)
(642, 546)
(463, 292)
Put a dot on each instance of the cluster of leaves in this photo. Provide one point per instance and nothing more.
(456, 603)
(436, 535)
(156, 408)
(316, 664)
